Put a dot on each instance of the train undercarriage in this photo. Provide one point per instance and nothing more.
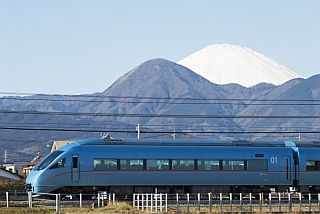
(129, 190)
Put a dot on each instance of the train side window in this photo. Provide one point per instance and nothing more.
(233, 165)
(136, 164)
(183, 165)
(208, 165)
(104, 164)
(158, 165)
(312, 165)
(257, 165)
(74, 162)
(61, 163)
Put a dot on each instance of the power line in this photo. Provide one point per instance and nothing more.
(193, 116)
(170, 103)
(24, 140)
(161, 98)
(158, 132)
(115, 123)
(158, 127)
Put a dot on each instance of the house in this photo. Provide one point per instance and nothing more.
(58, 143)
(9, 167)
(7, 175)
(27, 169)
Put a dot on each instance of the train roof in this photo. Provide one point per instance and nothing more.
(181, 142)
(193, 142)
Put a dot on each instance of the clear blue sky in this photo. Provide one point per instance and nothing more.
(74, 46)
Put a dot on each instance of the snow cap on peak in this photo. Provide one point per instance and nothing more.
(227, 63)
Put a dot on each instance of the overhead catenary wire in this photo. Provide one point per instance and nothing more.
(157, 98)
(144, 99)
(179, 126)
(209, 102)
(157, 132)
(94, 124)
(193, 116)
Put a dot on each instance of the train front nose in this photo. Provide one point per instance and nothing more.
(31, 180)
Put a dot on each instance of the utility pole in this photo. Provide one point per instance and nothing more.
(299, 137)
(138, 130)
(174, 134)
(5, 156)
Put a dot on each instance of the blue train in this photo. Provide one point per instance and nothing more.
(177, 166)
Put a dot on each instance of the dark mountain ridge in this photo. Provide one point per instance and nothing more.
(159, 87)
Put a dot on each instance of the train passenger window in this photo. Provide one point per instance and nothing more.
(158, 165)
(258, 165)
(312, 165)
(104, 164)
(182, 164)
(233, 165)
(208, 165)
(61, 163)
(131, 164)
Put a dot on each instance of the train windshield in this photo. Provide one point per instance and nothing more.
(48, 159)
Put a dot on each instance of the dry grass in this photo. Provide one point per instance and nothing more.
(125, 208)
(21, 210)
(119, 207)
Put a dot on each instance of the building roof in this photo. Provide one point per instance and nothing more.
(58, 143)
(4, 174)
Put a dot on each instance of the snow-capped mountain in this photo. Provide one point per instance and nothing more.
(225, 63)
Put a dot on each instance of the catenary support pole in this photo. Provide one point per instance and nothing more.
(98, 199)
(260, 201)
(300, 198)
(279, 196)
(199, 198)
(161, 204)
(289, 202)
(230, 198)
(210, 202)
(309, 202)
(240, 202)
(250, 199)
(270, 202)
(177, 202)
(166, 202)
(7, 199)
(319, 201)
(134, 200)
(57, 204)
(30, 199)
(188, 202)
(221, 202)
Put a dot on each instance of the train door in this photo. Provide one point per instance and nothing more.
(287, 165)
(75, 175)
